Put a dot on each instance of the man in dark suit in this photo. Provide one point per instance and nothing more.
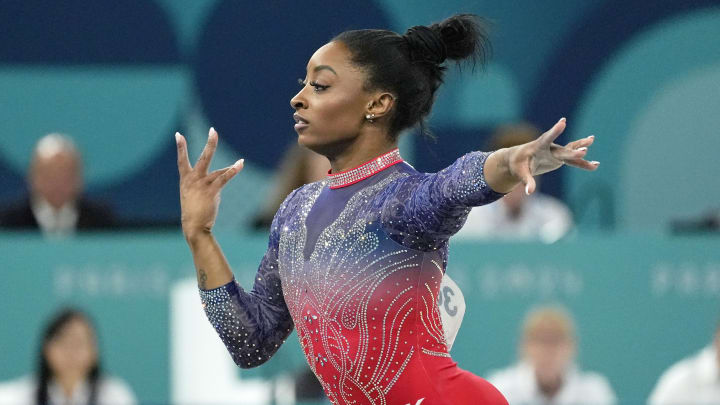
(55, 204)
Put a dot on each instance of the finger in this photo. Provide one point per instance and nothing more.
(217, 173)
(206, 156)
(583, 164)
(523, 172)
(566, 154)
(581, 142)
(229, 173)
(182, 155)
(552, 134)
(529, 185)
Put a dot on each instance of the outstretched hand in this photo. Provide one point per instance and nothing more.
(200, 190)
(542, 156)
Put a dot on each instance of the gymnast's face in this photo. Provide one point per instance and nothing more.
(331, 105)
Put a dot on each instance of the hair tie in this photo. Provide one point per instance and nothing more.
(425, 45)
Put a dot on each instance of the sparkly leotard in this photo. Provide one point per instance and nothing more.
(354, 264)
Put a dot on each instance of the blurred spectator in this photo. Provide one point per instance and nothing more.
(707, 222)
(68, 370)
(546, 373)
(694, 380)
(518, 216)
(299, 166)
(308, 388)
(55, 204)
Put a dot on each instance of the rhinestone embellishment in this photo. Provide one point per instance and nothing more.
(365, 170)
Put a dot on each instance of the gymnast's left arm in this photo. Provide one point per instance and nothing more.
(506, 168)
(425, 211)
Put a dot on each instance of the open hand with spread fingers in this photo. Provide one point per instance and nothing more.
(200, 189)
(540, 156)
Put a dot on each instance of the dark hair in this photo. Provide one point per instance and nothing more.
(410, 66)
(56, 324)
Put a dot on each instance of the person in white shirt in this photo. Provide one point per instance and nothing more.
(518, 216)
(54, 204)
(694, 380)
(546, 373)
(69, 370)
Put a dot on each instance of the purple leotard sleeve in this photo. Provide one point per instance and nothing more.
(423, 211)
(254, 324)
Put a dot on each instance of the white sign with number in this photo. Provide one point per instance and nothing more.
(452, 308)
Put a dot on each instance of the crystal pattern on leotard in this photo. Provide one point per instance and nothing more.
(365, 170)
(364, 302)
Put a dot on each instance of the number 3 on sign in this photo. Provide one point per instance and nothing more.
(451, 304)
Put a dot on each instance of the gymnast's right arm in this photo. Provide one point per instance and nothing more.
(253, 324)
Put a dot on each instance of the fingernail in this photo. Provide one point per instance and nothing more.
(591, 136)
(595, 162)
(177, 137)
(527, 189)
(211, 131)
(562, 119)
(239, 162)
(584, 148)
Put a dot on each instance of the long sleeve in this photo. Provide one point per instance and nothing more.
(254, 324)
(423, 211)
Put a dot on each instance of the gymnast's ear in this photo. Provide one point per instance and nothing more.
(381, 104)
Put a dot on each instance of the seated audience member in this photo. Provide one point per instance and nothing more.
(518, 216)
(308, 388)
(694, 380)
(68, 370)
(298, 167)
(55, 204)
(546, 373)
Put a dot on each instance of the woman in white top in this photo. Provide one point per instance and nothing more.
(69, 369)
(694, 380)
(547, 373)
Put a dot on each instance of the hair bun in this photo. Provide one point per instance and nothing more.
(426, 45)
(465, 36)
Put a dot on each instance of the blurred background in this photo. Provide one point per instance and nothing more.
(638, 266)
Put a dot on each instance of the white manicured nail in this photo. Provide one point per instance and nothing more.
(595, 162)
(584, 148)
(177, 137)
(527, 189)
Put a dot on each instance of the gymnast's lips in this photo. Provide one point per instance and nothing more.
(300, 122)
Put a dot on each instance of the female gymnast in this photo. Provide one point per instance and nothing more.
(354, 261)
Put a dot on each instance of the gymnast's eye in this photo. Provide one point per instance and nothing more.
(319, 87)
